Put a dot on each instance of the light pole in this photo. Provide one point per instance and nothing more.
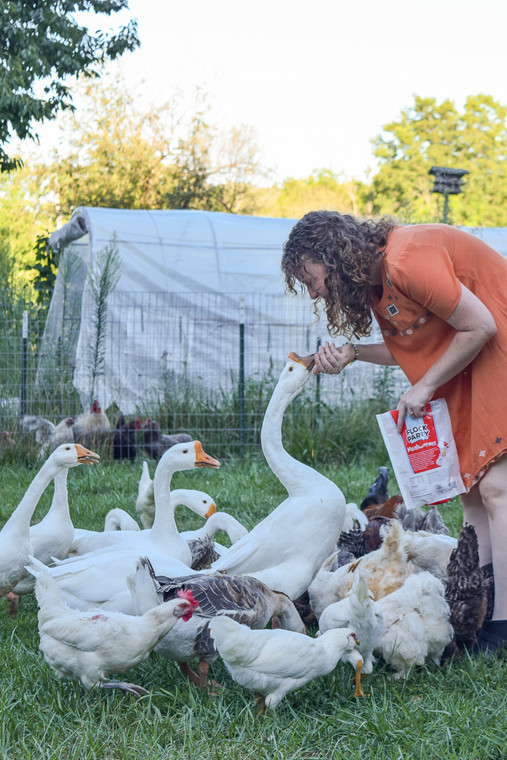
(448, 182)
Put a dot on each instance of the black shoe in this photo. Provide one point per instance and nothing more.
(492, 638)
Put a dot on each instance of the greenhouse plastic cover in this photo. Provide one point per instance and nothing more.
(187, 280)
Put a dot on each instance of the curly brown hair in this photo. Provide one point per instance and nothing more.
(347, 247)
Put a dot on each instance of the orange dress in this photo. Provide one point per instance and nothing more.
(422, 272)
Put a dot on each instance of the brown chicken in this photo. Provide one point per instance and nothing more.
(386, 509)
(465, 592)
(155, 442)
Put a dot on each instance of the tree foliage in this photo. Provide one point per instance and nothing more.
(321, 190)
(119, 156)
(42, 45)
(431, 134)
(19, 223)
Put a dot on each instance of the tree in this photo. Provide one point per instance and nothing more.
(20, 224)
(114, 154)
(430, 134)
(321, 190)
(43, 45)
(119, 156)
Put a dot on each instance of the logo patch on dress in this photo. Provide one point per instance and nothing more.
(392, 310)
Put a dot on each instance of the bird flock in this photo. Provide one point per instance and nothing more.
(316, 582)
(93, 429)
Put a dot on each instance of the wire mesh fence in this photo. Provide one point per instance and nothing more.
(202, 363)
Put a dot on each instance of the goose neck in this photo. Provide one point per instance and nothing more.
(26, 507)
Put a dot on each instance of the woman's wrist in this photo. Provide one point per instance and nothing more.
(355, 352)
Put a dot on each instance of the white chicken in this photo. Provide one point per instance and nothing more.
(388, 567)
(92, 428)
(416, 622)
(48, 435)
(429, 551)
(89, 646)
(360, 612)
(275, 662)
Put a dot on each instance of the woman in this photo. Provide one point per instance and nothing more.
(439, 297)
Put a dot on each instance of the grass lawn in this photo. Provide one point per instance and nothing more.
(457, 712)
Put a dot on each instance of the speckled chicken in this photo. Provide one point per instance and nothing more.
(465, 591)
(419, 519)
(48, 435)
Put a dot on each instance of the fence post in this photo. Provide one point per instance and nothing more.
(241, 385)
(24, 363)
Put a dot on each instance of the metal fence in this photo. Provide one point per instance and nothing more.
(192, 361)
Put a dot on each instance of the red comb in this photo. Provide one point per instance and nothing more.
(186, 594)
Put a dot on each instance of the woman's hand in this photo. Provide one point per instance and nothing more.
(331, 359)
(413, 403)
(474, 326)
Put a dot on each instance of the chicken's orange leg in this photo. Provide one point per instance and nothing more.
(358, 692)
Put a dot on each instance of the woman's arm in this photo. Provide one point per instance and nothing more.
(474, 326)
(332, 359)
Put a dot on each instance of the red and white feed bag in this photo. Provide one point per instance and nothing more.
(423, 455)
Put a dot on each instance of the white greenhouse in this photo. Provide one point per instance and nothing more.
(198, 295)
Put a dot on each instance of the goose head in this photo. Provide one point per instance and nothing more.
(186, 456)
(199, 502)
(73, 454)
(294, 376)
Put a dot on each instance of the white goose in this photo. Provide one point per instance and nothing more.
(119, 519)
(201, 541)
(15, 543)
(50, 538)
(99, 577)
(287, 548)
(164, 536)
(145, 502)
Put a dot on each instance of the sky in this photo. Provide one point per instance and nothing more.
(318, 79)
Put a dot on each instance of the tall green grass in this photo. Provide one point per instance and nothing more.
(455, 713)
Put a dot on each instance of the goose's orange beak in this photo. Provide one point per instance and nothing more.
(306, 361)
(211, 510)
(85, 456)
(202, 459)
